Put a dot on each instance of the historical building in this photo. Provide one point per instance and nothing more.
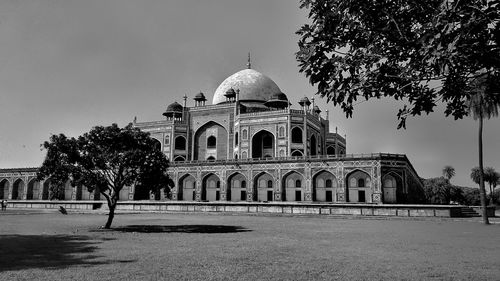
(249, 145)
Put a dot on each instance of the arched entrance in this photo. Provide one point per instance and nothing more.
(391, 183)
(263, 187)
(18, 189)
(358, 187)
(210, 190)
(4, 189)
(237, 187)
(293, 184)
(33, 190)
(263, 145)
(324, 187)
(187, 188)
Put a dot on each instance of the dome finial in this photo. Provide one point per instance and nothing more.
(249, 64)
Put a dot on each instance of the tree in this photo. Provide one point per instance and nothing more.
(440, 191)
(448, 172)
(420, 52)
(106, 159)
(492, 177)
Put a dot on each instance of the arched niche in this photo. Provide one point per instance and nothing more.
(210, 140)
(210, 190)
(237, 187)
(358, 185)
(324, 187)
(293, 187)
(263, 145)
(186, 189)
(263, 187)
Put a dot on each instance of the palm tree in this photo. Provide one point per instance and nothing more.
(491, 177)
(482, 104)
(448, 172)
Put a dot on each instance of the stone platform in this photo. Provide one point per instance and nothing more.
(358, 209)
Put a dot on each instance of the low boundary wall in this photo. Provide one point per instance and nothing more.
(257, 207)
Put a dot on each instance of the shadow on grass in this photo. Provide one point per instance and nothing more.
(182, 228)
(18, 252)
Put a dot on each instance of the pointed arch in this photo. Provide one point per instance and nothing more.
(210, 189)
(157, 144)
(263, 189)
(330, 150)
(17, 189)
(209, 141)
(358, 185)
(186, 188)
(180, 143)
(4, 188)
(392, 183)
(33, 189)
(297, 135)
(324, 186)
(293, 186)
(263, 143)
(236, 187)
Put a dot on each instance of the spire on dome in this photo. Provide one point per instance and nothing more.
(249, 64)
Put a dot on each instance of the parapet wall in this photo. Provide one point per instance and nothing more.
(253, 208)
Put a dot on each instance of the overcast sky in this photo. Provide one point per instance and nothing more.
(68, 65)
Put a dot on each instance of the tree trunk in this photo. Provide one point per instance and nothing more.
(482, 189)
(112, 207)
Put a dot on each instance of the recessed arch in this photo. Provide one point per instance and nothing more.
(156, 144)
(293, 186)
(180, 143)
(186, 188)
(330, 150)
(210, 190)
(236, 187)
(263, 187)
(4, 188)
(209, 141)
(324, 186)
(179, 158)
(297, 153)
(263, 143)
(358, 184)
(314, 145)
(33, 189)
(392, 183)
(297, 135)
(17, 189)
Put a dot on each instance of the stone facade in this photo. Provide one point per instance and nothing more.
(251, 146)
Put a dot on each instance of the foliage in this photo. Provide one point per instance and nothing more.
(448, 172)
(421, 52)
(106, 159)
(470, 196)
(440, 191)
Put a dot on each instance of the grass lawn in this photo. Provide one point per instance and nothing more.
(51, 246)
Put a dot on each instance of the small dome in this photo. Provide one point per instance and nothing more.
(316, 109)
(253, 86)
(305, 101)
(200, 97)
(174, 107)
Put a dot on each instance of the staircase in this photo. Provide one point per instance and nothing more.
(468, 212)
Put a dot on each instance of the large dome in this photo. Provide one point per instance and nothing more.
(253, 86)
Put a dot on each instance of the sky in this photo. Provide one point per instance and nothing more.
(69, 65)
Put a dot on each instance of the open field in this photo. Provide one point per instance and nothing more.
(51, 246)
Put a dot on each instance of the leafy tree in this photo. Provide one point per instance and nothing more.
(106, 159)
(470, 196)
(440, 191)
(421, 52)
(448, 172)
